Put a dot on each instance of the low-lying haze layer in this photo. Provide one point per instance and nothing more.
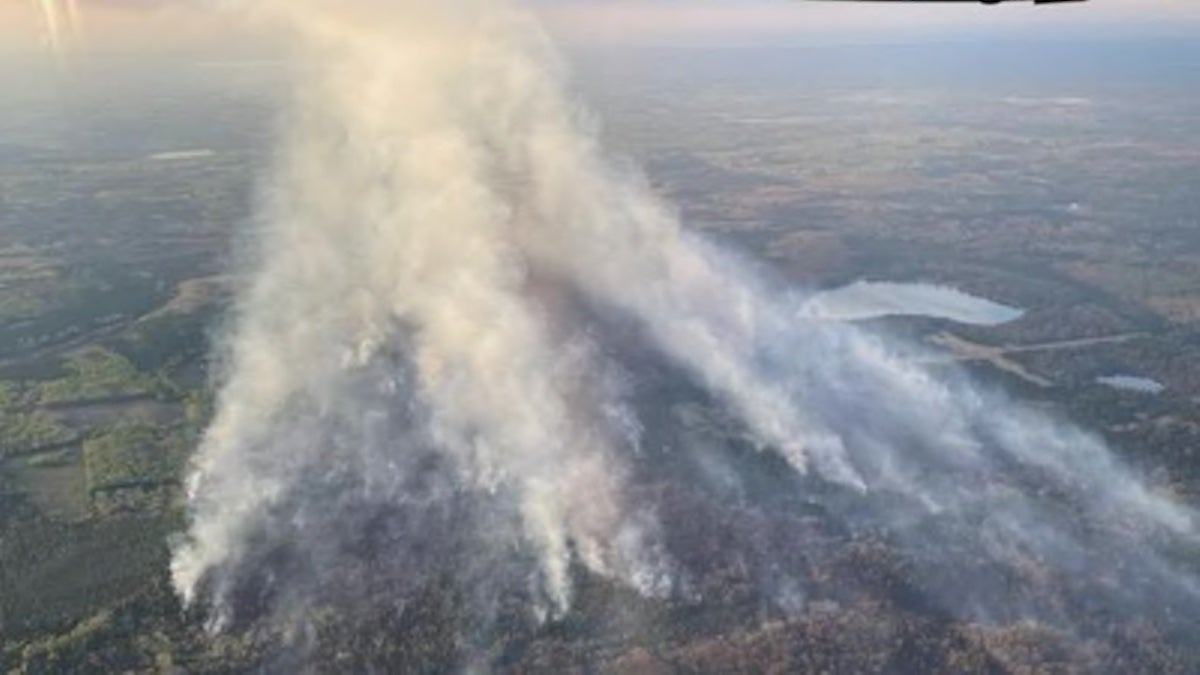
(433, 371)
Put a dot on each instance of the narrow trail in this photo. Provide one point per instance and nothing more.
(963, 350)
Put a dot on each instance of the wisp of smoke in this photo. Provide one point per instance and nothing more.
(418, 380)
(63, 22)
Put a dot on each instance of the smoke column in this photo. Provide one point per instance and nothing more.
(63, 22)
(52, 20)
(414, 369)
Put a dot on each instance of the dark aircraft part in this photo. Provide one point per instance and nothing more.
(985, 2)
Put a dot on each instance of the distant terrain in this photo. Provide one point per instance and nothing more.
(1071, 195)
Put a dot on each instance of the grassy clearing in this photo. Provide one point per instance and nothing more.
(24, 432)
(96, 374)
(128, 454)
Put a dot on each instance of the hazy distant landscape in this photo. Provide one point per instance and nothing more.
(1057, 179)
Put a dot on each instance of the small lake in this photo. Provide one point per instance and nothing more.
(863, 300)
(1141, 385)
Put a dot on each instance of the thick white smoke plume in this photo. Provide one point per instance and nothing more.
(417, 365)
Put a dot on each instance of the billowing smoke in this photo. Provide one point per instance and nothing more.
(449, 363)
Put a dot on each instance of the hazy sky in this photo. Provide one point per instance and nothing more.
(177, 24)
(698, 21)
